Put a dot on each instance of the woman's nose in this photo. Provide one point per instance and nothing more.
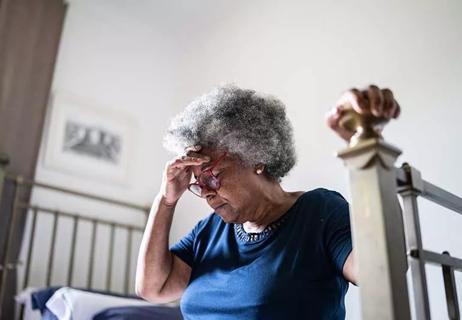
(207, 192)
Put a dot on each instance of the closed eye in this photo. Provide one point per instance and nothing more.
(206, 166)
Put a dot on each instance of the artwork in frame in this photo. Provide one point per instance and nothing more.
(87, 140)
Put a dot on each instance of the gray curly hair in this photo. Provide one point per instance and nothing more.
(246, 124)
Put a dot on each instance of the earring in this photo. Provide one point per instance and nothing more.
(259, 171)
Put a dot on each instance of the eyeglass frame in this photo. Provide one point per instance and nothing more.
(210, 169)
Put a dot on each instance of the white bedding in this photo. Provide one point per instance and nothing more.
(73, 304)
(67, 303)
(24, 298)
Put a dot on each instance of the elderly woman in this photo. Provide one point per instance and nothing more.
(264, 252)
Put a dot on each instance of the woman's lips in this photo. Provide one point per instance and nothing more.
(220, 206)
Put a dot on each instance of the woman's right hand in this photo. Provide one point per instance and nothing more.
(177, 174)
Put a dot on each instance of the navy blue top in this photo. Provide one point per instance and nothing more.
(294, 272)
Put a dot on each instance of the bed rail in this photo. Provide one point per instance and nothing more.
(21, 211)
(410, 187)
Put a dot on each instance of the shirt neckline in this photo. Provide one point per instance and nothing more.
(254, 237)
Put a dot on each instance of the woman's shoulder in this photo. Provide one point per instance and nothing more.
(324, 193)
(322, 200)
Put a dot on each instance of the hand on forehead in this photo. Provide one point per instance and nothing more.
(200, 152)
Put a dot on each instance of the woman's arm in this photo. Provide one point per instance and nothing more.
(350, 271)
(160, 275)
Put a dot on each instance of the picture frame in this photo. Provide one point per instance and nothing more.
(87, 140)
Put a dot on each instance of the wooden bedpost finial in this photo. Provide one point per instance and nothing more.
(364, 126)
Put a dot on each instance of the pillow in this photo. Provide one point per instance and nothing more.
(39, 297)
(67, 303)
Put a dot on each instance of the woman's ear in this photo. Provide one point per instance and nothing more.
(259, 168)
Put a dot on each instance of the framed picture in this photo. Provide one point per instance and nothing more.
(87, 140)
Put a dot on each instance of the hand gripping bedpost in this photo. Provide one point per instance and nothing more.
(377, 227)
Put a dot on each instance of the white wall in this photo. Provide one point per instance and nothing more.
(151, 58)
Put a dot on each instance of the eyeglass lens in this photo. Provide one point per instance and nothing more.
(208, 180)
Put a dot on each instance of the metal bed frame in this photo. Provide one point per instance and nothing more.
(21, 210)
(387, 238)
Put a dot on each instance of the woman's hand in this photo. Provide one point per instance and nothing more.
(177, 174)
(371, 100)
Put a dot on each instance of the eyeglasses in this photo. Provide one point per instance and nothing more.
(207, 179)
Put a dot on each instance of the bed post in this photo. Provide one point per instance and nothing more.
(377, 226)
(4, 161)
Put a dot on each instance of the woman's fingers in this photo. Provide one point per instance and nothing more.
(379, 102)
(184, 164)
(181, 166)
(376, 100)
(397, 110)
(177, 173)
(356, 99)
(196, 155)
(193, 148)
(193, 151)
(359, 102)
(371, 100)
(389, 103)
(187, 161)
(333, 119)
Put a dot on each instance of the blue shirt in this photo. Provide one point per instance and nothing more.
(294, 273)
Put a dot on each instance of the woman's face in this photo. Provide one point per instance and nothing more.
(235, 200)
